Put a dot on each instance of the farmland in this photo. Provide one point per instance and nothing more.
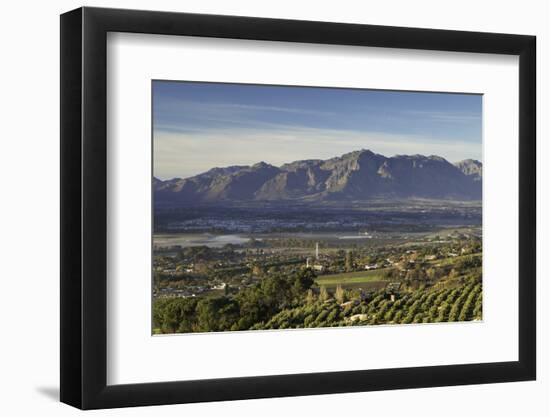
(352, 279)
(396, 271)
(462, 303)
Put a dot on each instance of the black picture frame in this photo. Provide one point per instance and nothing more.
(84, 207)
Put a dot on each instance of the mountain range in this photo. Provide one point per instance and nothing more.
(358, 175)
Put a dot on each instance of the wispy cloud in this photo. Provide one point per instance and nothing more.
(223, 111)
(256, 108)
(452, 117)
(180, 116)
(188, 154)
(201, 125)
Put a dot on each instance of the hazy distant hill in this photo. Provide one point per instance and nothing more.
(359, 175)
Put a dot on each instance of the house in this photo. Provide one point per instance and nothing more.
(393, 286)
(219, 287)
(358, 317)
(368, 267)
(349, 304)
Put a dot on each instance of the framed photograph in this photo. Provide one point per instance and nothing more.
(256, 208)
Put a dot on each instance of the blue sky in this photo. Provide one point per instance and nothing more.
(197, 126)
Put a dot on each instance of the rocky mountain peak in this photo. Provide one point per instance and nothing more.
(358, 175)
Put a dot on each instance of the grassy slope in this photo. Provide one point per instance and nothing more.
(360, 277)
(352, 277)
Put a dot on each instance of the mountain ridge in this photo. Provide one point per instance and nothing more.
(357, 175)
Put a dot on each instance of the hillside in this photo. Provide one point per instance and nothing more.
(358, 175)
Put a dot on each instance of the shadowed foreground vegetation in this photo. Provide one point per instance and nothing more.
(283, 302)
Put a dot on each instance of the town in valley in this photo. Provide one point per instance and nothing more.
(408, 262)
